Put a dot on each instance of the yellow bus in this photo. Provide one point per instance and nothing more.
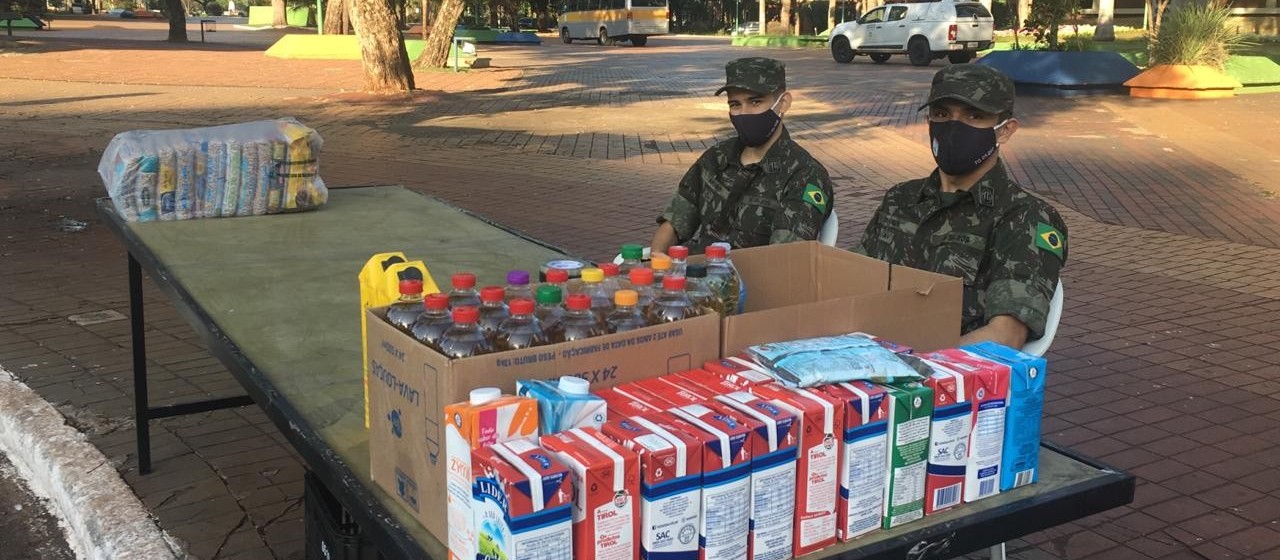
(611, 21)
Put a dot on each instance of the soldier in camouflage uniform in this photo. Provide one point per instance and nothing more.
(969, 219)
(756, 189)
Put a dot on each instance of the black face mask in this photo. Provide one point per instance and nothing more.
(755, 130)
(959, 148)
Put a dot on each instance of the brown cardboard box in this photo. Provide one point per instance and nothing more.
(409, 385)
(803, 290)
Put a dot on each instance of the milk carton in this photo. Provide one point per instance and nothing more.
(864, 450)
(643, 396)
(670, 390)
(564, 404)
(740, 370)
(606, 493)
(817, 466)
(705, 382)
(622, 406)
(773, 474)
(949, 432)
(910, 410)
(521, 500)
(670, 485)
(488, 418)
(724, 526)
(988, 388)
(1019, 464)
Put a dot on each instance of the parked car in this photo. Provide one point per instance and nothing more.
(923, 31)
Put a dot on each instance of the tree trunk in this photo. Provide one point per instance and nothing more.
(435, 54)
(831, 14)
(177, 21)
(764, 13)
(382, 52)
(785, 17)
(278, 16)
(335, 17)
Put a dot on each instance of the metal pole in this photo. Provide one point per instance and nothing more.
(140, 402)
(319, 17)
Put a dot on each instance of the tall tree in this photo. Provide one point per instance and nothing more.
(278, 16)
(177, 21)
(335, 16)
(785, 17)
(382, 52)
(436, 51)
(831, 14)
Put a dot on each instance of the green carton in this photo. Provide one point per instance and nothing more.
(910, 410)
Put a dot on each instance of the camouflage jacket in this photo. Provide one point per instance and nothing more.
(1006, 244)
(785, 197)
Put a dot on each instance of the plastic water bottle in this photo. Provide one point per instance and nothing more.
(631, 256)
(558, 278)
(518, 285)
(579, 322)
(679, 259)
(464, 292)
(464, 339)
(406, 310)
(550, 313)
(696, 288)
(612, 282)
(673, 305)
(742, 285)
(430, 326)
(521, 330)
(493, 310)
(593, 287)
(722, 280)
(661, 265)
(642, 285)
(626, 316)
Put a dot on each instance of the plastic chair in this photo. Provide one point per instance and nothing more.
(1040, 345)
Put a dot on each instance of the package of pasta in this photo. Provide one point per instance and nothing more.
(246, 169)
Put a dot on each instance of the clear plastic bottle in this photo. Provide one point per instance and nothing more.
(722, 280)
(431, 325)
(579, 321)
(661, 265)
(493, 310)
(464, 292)
(550, 313)
(626, 315)
(406, 310)
(679, 259)
(464, 339)
(521, 330)
(632, 255)
(696, 288)
(742, 284)
(612, 281)
(642, 285)
(673, 305)
(518, 285)
(593, 287)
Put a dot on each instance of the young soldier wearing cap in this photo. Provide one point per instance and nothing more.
(756, 189)
(969, 219)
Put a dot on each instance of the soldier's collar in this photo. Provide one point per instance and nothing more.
(987, 192)
(774, 161)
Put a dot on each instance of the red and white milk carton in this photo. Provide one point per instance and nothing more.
(521, 502)
(949, 431)
(773, 474)
(989, 393)
(724, 528)
(704, 382)
(623, 406)
(740, 370)
(864, 451)
(643, 396)
(673, 392)
(670, 485)
(817, 465)
(606, 493)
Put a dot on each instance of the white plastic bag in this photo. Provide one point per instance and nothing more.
(246, 169)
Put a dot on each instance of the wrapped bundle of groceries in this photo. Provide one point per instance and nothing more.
(246, 169)
(834, 359)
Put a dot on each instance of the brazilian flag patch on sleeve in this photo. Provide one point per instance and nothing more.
(814, 197)
(1050, 239)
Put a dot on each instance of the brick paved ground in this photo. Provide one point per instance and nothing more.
(1167, 363)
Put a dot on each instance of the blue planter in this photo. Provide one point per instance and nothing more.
(1063, 73)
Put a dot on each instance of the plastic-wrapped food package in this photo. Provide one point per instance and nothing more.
(246, 169)
(831, 359)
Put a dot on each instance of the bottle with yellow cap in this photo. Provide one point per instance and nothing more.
(593, 287)
(626, 314)
(661, 265)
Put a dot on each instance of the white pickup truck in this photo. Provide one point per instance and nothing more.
(922, 30)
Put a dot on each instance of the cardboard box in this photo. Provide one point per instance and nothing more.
(408, 377)
(1020, 461)
(950, 427)
(989, 392)
(670, 484)
(864, 451)
(606, 492)
(724, 527)
(773, 474)
(522, 505)
(805, 290)
(910, 412)
(817, 466)
(621, 406)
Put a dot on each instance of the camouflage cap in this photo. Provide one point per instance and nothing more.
(978, 85)
(755, 74)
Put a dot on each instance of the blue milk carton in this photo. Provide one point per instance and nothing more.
(1019, 464)
(565, 404)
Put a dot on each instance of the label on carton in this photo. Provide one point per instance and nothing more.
(622, 406)
(670, 486)
(865, 449)
(773, 474)
(989, 393)
(726, 481)
(606, 489)
(950, 430)
(521, 500)
(740, 370)
(909, 420)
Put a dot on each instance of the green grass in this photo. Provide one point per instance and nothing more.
(792, 41)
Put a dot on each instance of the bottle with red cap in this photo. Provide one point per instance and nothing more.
(493, 309)
(579, 321)
(679, 259)
(559, 278)
(431, 325)
(612, 281)
(464, 291)
(642, 284)
(550, 312)
(518, 285)
(404, 311)
(626, 314)
(723, 280)
(673, 305)
(521, 330)
(464, 339)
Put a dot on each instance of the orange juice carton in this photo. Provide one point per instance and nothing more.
(1020, 458)
(821, 421)
(488, 418)
(910, 414)
(564, 404)
(670, 485)
(606, 493)
(740, 370)
(522, 502)
(864, 449)
(988, 391)
(622, 406)
(724, 528)
(949, 431)
(773, 474)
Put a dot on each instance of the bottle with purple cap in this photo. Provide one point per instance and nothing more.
(518, 285)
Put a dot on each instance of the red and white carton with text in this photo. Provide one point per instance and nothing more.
(670, 485)
(724, 528)
(606, 493)
(522, 505)
(643, 396)
(989, 393)
(773, 474)
(817, 465)
(623, 406)
(704, 382)
(673, 392)
(740, 370)
(864, 451)
(949, 431)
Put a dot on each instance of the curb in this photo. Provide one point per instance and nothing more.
(100, 513)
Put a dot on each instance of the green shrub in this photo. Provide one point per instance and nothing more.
(1196, 32)
(213, 9)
